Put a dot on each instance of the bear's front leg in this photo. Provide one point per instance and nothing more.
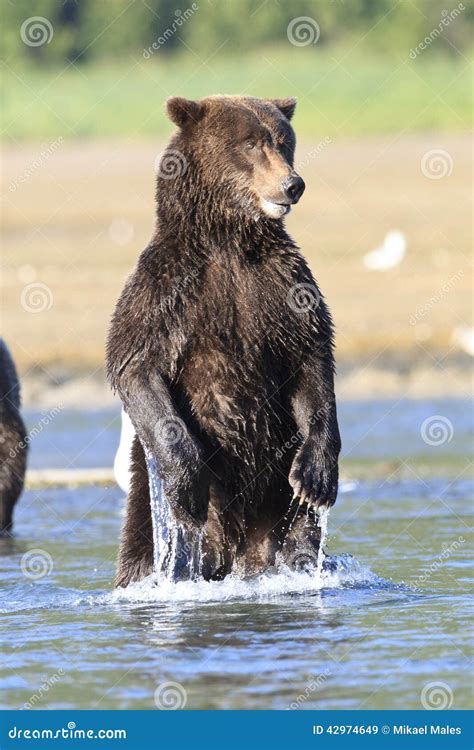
(314, 472)
(162, 432)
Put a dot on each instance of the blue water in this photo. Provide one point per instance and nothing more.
(387, 628)
(378, 429)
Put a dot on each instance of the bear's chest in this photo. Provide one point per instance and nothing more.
(244, 345)
(253, 309)
(247, 338)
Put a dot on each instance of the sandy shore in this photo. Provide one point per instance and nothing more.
(73, 230)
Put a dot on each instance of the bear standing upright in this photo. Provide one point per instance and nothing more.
(221, 349)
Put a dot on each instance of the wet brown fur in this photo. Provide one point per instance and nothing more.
(13, 446)
(250, 377)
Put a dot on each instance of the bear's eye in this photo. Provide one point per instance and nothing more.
(250, 145)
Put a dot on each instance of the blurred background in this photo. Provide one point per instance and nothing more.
(382, 122)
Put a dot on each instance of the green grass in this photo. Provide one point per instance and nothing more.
(339, 94)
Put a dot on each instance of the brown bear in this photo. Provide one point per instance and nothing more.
(221, 349)
(13, 444)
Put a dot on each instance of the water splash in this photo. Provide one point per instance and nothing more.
(161, 516)
(293, 511)
(177, 552)
(323, 518)
(338, 572)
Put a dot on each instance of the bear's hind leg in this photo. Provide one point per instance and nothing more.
(13, 450)
(301, 540)
(221, 535)
(135, 560)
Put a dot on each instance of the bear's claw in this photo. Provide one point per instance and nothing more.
(314, 475)
(304, 501)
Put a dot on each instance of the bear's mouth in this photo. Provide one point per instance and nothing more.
(275, 210)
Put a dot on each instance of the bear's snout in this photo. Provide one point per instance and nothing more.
(293, 188)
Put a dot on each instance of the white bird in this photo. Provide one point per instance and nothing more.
(463, 336)
(347, 485)
(388, 255)
(122, 457)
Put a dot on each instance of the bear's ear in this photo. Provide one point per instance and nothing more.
(286, 106)
(184, 111)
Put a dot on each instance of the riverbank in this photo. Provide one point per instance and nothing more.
(76, 221)
(375, 377)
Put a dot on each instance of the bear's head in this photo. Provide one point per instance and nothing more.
(239, 152)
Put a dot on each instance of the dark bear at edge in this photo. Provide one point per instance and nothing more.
(221, 349)
(13, 445)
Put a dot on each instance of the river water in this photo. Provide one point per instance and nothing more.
(386, 628)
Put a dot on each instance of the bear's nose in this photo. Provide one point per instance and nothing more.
(294, 188)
